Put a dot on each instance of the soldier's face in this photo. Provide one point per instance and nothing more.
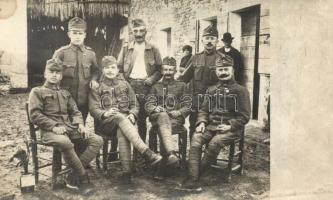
(77, 36)
(139, 34)
(209, 42)
(224, 73)
(110, 71)
(168, 71)
(52, 76)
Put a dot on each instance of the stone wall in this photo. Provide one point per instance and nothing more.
(182, 17)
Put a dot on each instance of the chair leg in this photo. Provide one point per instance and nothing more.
(98, 161)
(241, 155)
(153, 139)
(35, 160)
(105, 154)
(182, 138)
(230, 160)
(56, 166)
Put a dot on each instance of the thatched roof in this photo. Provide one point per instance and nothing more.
(65, 9)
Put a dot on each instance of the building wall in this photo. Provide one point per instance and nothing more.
(182, 17)
(13, 42)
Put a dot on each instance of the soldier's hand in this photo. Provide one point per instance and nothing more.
(59, 130)
(148, 82)
(200, 128)
(83, 130)
(175, 113)
(111, 112)
(131, 117)
(94, 84)
(223, 128)
(159, 109)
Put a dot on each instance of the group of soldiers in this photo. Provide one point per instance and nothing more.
(121, 93)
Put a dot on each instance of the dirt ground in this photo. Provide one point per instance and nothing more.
(253, 184)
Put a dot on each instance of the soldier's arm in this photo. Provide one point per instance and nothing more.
(58, 54)
(95, 69)
(185, 102)
(95, 107)
(73, 111)
(203, 113)
(244, 110)
(133, 102)
(120, 61)
(151, 100)
(36, 113)
(157, 75)
(188, 74)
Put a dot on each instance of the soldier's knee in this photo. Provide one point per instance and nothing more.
(98, 140)
(163, 115)
(196, 141)
(119, 117)
(63, 142)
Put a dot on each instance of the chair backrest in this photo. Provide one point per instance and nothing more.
(32, 127)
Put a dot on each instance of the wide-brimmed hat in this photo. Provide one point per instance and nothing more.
(227, 37)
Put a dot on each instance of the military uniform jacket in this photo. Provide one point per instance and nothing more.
(50, 106)
(200, 72)
(172, 95)
(116, 93)
(152, 59)
(226, 102)
(80, 67)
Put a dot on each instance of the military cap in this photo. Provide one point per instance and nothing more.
(188, 48)
(210, 31)
(54, 65)
(77, 23)
(138, 22)
(169, 61)
(108, 60)
(223, 60)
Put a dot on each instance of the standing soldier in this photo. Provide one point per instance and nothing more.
(54, 111)
(235, 55)
(200, 72)
(114, 106)
(222, 116)
(140, 62)
(80, 66)
(167, 110)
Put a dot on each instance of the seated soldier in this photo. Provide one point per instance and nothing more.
(115, 107)
(54, 111)
(167, 111)
(222, 116)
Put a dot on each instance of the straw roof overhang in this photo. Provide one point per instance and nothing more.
(65, 9)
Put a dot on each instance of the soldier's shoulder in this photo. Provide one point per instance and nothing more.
(88, 48)
(64, 91)
(212, 88)
(36, 89)
(180, 83)
(63, 48)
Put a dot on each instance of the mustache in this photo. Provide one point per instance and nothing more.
(223, 75)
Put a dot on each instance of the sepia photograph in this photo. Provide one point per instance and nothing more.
(162, 99)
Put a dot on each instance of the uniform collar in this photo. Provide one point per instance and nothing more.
(226, 83)
(51, 86)
(168, 82)
(209, 53)
(147, 45)
(110, 82)
(75, 47)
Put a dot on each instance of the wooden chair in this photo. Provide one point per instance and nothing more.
(232, 164)
(182, 143)
(55, 162)
(109, 142)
